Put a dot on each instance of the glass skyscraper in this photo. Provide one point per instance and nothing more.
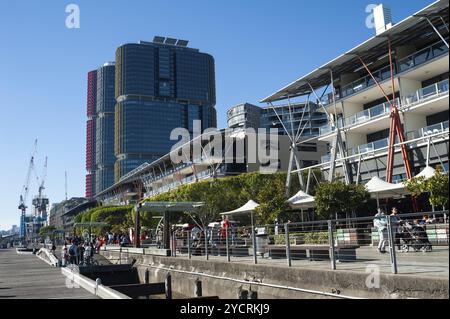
(160, 85)
(104, 127)
(90, 133)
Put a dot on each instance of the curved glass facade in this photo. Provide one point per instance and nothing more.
(159, 88)
(104, 145)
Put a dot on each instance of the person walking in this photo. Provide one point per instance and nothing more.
(380, 223)
(396, 221)
(73, 251)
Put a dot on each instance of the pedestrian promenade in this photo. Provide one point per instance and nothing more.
(24, 276)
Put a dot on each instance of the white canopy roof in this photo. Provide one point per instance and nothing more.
(247, 208)
(382, 189)
(427, 172)
(301, 200)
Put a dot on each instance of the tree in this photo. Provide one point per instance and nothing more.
(338, 198)
(47, 231)
(436, 186)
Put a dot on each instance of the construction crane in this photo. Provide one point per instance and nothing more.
(40, 202)
(24, 194)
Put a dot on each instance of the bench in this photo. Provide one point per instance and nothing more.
(313, 252)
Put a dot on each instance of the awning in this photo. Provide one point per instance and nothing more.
(301, 200)
(427, 172)
(381, 189)
(249, 207)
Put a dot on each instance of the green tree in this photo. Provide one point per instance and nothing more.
(337, 198)
(47, 231)
(436, 186)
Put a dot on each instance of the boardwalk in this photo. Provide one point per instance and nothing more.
(25, 276)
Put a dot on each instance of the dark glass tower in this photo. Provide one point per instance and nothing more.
(105, 158)
(90, 133)
(160, 85)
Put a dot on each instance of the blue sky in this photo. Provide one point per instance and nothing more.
(259, 46)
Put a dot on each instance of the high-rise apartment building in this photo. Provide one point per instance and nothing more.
(160, 85)
(90, 133)
(104, 139)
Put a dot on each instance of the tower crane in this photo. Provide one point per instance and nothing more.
(24, 194)
(40, 202)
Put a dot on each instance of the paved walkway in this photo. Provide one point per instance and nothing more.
(430, 264)
(24, 276)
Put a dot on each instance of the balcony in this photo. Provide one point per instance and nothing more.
(370, 147)
(427, 93)
(366, 81)
(369, 114)
(428, 130)
(433, 51)
(411, 61)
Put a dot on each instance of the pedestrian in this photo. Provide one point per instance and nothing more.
(73, 250)
(380, 223)
(64, 255)
(395, 222)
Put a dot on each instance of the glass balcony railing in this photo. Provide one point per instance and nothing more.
(369, 114)
(366, 81)
(327, 158)
(422, 56)
(431, 91)
(369, 147)
(411, 61)
(428, 130)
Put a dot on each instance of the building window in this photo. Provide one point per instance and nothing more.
(307, 147)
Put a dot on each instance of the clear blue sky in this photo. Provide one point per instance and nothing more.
(259, 46)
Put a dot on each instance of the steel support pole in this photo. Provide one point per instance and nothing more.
(437, 32)
(206, 244)
(331, 243)
(227, 244)
(392, 254)
(189, 244)
(255, 258)
(288, 244)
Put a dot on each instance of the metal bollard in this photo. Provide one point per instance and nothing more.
(288, 244)
(198, 288)
(98, 282)
(227, 245)
(331, 243)
(392, 254)
(168, 284)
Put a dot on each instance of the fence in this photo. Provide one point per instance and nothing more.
(399, 244)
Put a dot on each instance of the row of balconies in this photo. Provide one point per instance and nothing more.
(407, 63)
(422, 95)
(383, 143)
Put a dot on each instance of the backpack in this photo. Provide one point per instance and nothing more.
(71, 251)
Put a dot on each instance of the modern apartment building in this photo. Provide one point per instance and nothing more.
(104, 127)
(297, 115)
(359, 103)
(160, 85)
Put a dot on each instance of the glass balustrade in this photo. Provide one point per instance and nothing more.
(428, 130)
(428, 92)
(422, 56)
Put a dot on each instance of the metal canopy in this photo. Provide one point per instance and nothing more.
(403, 33)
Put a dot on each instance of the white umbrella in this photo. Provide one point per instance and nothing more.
(249, 207)
(301, 200)
(381, 189)
(427, 172)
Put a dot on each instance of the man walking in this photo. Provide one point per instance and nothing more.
(380, 223)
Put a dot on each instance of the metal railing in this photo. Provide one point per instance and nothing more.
(397, 244)
(428, 130)
(429, 92)
(422, 56)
